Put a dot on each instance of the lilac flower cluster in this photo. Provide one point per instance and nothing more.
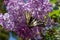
(14, 19)
(6, 21)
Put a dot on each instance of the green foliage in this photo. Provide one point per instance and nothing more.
(52, 1)
(3, 34)
(50, 34)
(55, 14)
(2, 7)
(53, 33)
(58, 32)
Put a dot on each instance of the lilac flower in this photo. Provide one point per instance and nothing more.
(38, 8)
(14, 19)
(6, 21)
(1, 19)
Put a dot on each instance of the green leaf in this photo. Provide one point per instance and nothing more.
(52, 1)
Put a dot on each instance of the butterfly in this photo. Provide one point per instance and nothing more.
(31, 21)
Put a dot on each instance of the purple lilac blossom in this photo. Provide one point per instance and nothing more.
(38, 10)
(1, 19)
(6, 21)
(14, 19)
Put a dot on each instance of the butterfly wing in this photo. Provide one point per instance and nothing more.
(27, 17)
